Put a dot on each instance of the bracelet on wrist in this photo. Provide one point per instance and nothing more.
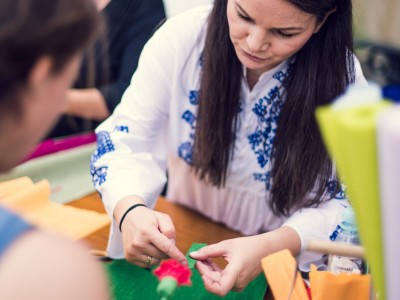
(128, 210)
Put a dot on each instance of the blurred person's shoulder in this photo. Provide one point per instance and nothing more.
(36, 256)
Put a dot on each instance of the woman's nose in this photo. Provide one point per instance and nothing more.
(257, 41)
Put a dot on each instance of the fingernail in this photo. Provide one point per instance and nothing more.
(194, 253)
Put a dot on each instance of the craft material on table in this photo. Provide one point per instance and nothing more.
(32, 202)
(328, 286)
(389, 171)
(328, 247)
(280, 268)
(50, 146)
(350, 136)
(171, 275)
(67, 171)
(129, 282)
(193, 247)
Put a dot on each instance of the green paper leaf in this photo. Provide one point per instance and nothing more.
(194, 247)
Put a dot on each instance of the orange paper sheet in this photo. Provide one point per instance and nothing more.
(279, 269)
(32, 201)
(328, 286)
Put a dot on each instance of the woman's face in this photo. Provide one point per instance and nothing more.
(266, 32)
(42, 102)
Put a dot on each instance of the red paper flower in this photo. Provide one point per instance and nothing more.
(171, 274)
(174, 269)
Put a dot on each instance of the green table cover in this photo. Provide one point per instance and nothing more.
(129, 282)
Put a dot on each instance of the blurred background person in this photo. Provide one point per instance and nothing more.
(130, 23)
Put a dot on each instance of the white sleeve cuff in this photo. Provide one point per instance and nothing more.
(315, 224)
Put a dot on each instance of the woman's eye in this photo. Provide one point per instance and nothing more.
(285, 35)
(243, 17)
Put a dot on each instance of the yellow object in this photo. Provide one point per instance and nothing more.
(279, 269)
(9, 187)
(328, 286)
(350, 136)
(32, 202)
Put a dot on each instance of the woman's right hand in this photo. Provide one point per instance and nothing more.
(148, 236)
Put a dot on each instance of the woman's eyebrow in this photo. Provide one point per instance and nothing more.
(277, 28)
(244, 12)
(289, 28)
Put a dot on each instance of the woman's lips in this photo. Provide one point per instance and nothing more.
(252, 57)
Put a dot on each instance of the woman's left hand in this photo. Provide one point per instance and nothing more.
(244, 258)
(244, 264)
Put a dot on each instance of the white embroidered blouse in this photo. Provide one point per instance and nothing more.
(153, 130)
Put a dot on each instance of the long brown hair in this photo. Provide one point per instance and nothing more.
(30, 29)
(321, 71)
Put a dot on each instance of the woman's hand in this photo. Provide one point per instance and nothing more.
(243, 256)
(244, 259)
(149, 236)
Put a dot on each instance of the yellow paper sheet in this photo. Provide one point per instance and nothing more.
(10, 187)
(29, 198)
(350, 136)
(33, 203)
(68, 172)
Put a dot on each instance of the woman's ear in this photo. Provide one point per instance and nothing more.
(319, 24)
(39, 73)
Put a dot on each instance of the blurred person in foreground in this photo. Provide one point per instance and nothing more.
(41, 43)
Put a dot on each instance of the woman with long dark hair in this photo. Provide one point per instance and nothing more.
(224, 98)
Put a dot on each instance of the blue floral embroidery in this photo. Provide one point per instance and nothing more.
(335, 190)
(121, 128)
(190, 118)
(267, 111)
(264, 177)
(185, 151)
(240, 108)
(201, 59)
(99, 175)
(194, 97)
(280, 76)
(104, 146)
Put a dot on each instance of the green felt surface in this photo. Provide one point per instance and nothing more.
(193, 247)
(129, 282)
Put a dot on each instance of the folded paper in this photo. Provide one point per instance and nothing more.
(10, 187)
(68, 172)
(328, 286)
(389, 174)
(350, 136)
(279, 269)
(32, 201)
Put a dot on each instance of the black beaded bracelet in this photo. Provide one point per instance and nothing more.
(128, 210)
